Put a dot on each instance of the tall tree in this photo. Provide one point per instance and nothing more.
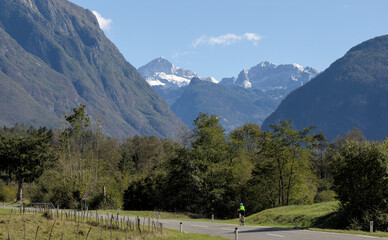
(285, 157)
(25, 157)
(73, 139)
(361, 181)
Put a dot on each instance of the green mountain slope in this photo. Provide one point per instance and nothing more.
(352, 92)
(76, 64)
(234, 106)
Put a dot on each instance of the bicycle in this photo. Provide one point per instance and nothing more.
(241, 219)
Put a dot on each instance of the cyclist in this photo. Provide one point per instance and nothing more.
(241, 212)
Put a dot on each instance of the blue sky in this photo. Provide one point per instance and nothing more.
(220, 38)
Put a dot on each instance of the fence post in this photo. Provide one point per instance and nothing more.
(138, 224)
(296, 223)
(371, 226)
(236, 233)
(212, 218)
(180, 228)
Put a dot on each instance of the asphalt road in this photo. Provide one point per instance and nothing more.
(248, 232)
(257, 232)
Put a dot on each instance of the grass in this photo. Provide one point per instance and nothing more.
(11, 204)
(26, 226)
(306, 215)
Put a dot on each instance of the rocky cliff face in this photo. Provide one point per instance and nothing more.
(62, 58)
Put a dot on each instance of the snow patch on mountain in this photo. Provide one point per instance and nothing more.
(160, 72)
(209, 79)
(269, 76)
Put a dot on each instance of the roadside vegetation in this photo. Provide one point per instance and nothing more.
(305, 216)
(41, 226)
(206, 172)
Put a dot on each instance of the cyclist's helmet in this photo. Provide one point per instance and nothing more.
(241, 204)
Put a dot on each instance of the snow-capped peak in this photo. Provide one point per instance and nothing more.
(266, 76)
(267, 64)
(160, 72)
(298, 66)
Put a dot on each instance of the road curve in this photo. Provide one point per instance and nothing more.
(257, 232)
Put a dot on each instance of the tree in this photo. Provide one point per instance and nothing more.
(285, 164)
(209, 137)
(73, 138)
(184, 184)
(25, 157)
(321, 159)
(361, 181)
(210, 155)
(247, 137)
(79, 120)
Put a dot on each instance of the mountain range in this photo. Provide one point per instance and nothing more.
(250, 97)
(54, 56)
(352, 92)
(168, 80)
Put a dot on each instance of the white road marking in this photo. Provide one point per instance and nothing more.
(274, 235)
(199, 226)
(365, 236)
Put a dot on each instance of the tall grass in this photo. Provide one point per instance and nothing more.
(31, 225)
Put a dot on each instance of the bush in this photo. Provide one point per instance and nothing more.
(381, 221)
(65, 197)
(145, 194)
(361, 182)
(325, 196)
(35, 193)
(113, 201)
(7, 194)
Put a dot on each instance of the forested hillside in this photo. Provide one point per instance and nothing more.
(206, 172)
(352, 92)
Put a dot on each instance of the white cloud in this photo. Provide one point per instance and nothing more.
(199, 41)
(104, 23)
(226, 39)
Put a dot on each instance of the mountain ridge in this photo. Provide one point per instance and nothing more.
(229, 98)
(68, 40)
(352, 92)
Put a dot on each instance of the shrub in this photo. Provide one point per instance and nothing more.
(381, 221)
(113, 200)
(361, 182)
(7, 194)
(65, 197)
(325, 196)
